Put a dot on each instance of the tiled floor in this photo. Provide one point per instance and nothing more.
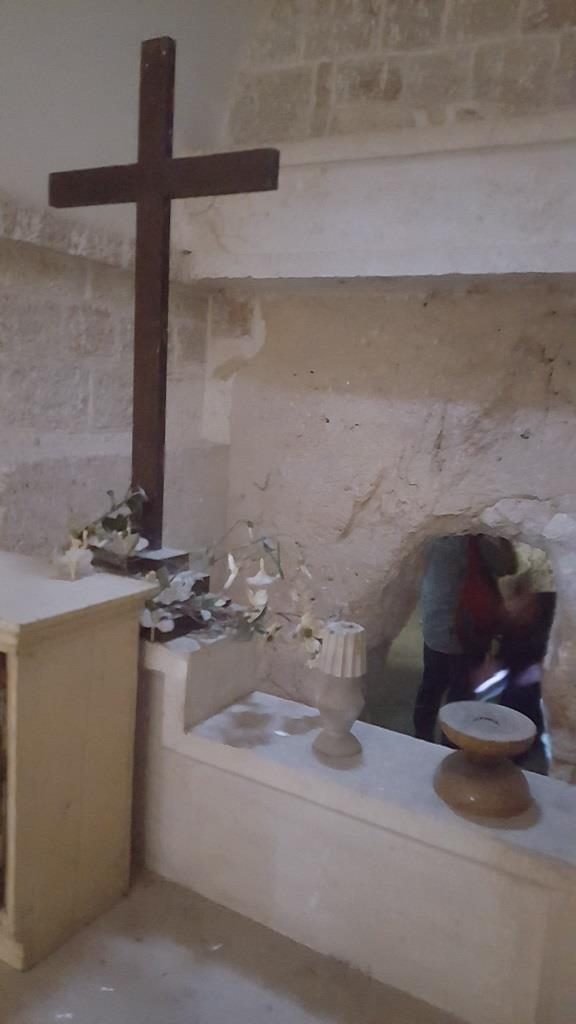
(164, 956)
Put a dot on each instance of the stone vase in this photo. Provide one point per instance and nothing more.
(340, 688)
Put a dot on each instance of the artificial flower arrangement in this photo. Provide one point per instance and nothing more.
(259, 597)
(111, 540)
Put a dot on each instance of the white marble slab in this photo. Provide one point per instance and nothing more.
(363, 861)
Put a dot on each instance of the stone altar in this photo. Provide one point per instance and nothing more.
(365, 863)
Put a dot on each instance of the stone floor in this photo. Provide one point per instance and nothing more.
(394, 705)
(165, 956)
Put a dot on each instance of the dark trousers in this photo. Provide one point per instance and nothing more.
(523, 645)
(445, 676)
(526, 700)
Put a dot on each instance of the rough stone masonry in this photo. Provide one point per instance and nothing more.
(327, 67)
(66, 386)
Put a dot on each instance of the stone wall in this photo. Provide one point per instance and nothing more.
(372, 414)
(65, 399)
(326, 67)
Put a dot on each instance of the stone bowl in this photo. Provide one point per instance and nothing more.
(479, 778)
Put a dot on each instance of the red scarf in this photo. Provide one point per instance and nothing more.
(480, 605)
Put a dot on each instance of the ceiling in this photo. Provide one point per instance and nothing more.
(69, 83)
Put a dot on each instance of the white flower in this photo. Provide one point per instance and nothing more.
(76, 559)
(233, 570)
(156, 619)
(146, 618)
(122, 512)
(123, 544)
(313, 646)
(307, 632)
(259, 601)
(179, 589)
(165, 625)
(95, 541)
(271, 630)
(262, 578)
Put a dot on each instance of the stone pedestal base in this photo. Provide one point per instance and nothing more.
(481, 779)
(482, 789)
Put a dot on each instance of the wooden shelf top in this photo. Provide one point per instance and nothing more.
(31, 592)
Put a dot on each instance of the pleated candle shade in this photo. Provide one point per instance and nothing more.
(343, 651)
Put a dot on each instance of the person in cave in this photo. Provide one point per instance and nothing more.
(529, 603)
(461, 610)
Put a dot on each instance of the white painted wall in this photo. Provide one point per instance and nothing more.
(469, 200)
(69, 82)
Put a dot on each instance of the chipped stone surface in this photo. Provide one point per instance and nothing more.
(400, 64)
(549, 14)
(54, 230)
(111, 397)
(369, 80)
(437, 78)
(231, 314)
(409, 24)
(564, 80)
(322, 97)
(319, 39)
(473, 19)
(371, 116)
(272, 105)
(341, 28)
(66, 338)
(279, 32)
(49, 230)
(44, 397)
(516, 77)
(71, 490)
(91, 331)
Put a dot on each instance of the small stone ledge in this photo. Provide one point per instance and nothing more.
(203, 675)
(21, 222)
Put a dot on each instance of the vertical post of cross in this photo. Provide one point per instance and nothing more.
(152, 282)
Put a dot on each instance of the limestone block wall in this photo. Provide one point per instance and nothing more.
(325, 67)
(66, 387)
(372, 415)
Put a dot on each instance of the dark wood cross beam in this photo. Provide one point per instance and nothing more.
(152, 183)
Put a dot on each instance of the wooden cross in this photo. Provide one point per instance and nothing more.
(152, 183)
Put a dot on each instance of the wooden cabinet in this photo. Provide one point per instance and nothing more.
(68, 675)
